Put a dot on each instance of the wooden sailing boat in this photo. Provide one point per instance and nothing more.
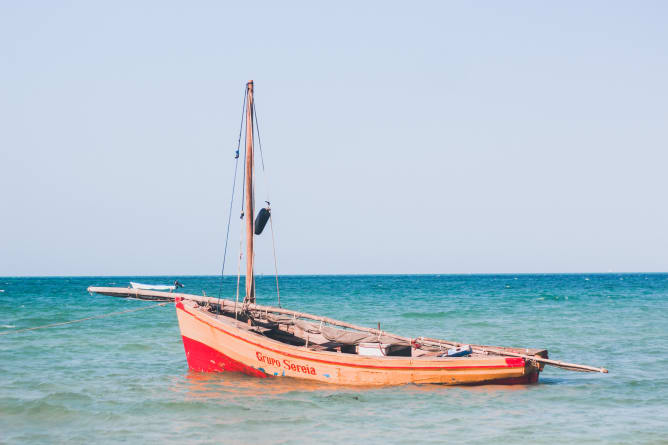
(264, 341)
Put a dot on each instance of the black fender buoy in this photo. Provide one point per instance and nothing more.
(262, 217)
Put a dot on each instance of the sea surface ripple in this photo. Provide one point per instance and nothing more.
(125, 379)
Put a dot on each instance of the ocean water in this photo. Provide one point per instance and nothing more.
(125, 379)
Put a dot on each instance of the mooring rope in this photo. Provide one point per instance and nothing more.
(83, 319)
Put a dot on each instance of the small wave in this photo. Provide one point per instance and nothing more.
(66, 397)
(135, 347)
(552, 297)
(343, 397)
(40, 409)
(7, 326)
(424, 314)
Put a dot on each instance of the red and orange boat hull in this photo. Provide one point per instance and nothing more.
(213, 344)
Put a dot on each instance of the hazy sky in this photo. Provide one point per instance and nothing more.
(399, 137)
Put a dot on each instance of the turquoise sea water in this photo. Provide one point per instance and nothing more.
(125, 378)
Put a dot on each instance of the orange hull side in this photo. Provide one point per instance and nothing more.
(215, 345)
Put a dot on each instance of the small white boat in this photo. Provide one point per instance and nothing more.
(155, 286)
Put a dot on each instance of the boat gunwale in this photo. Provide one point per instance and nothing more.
(297, 351)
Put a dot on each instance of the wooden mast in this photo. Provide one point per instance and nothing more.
(249, 211)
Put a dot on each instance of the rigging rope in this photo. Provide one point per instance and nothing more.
(234, 185)
(241, 238)
(83, 319)
(273, 245)
(256, 120)
(255, 130)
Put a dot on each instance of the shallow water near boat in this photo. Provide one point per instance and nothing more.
(125, 378)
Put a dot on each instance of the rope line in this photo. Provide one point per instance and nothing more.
(273, 245)
(234, 185)
(82, 319)
(256, 121)
(241, 238)
(243, 188)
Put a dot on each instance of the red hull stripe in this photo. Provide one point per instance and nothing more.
(515, 362)
(202, 358)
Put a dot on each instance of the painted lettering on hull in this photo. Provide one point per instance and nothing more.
(287, 364)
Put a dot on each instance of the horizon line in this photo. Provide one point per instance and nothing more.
(344, 274)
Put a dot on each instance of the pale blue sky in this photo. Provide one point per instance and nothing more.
(400, 137)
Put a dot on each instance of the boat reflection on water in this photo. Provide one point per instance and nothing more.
(231, 385)
(214, 385)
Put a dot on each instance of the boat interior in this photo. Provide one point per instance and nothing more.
(319, 336)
